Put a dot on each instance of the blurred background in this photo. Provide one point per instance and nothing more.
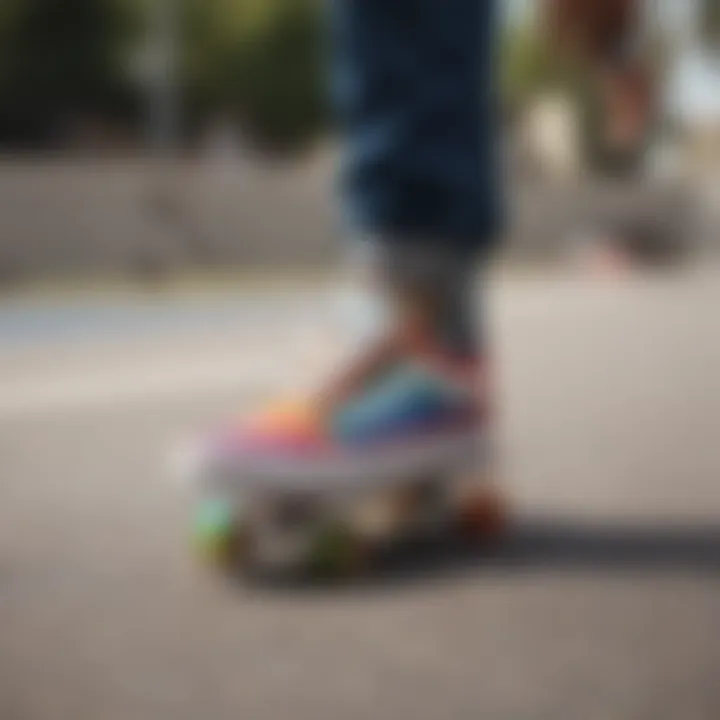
(230, 94)
(169, 252)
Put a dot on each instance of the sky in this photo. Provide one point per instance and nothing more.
(694, 87)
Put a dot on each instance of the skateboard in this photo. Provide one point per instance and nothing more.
(331, 516)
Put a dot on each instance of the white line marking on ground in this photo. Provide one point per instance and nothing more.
(90, 391)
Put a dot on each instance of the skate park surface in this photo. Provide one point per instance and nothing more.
(603, 602)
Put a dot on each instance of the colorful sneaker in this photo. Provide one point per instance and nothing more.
(419, 416)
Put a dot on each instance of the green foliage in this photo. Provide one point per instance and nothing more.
(710, 22)
(259, 61)
(59, 60)
(262, 63)
(531, 67)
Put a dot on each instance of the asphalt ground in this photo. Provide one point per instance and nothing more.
(602, 604)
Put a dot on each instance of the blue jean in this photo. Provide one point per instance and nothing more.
(414, 86)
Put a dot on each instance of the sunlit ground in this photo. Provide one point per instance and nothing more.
(601, 603)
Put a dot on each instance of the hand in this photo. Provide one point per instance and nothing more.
(627, 97)
(596, 31)
(602, 34)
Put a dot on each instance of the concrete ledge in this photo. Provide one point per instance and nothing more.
(135, 219)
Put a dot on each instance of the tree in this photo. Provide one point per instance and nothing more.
(61, 59)
(261, 62)
(532, 66)
(710, 22)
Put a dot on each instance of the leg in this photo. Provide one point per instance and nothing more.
(415, 85)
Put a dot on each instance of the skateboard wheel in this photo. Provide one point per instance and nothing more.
(217, 535)
(483, 515)
(336, 551)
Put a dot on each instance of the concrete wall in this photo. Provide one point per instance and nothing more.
(113, 217)
(108, 217)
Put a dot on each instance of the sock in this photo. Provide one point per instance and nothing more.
(397, 279)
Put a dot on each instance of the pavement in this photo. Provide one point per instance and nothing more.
(602, 604)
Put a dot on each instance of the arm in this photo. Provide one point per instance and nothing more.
(601, 33)
(604, 35)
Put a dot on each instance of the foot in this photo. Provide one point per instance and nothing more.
(406, 402)
(408, 389)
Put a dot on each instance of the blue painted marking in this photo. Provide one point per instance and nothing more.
(76, 320)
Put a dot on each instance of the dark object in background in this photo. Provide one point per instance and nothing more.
(654, 231)
(60, 61)
(594, 29)
(629, 98)
(605, 35)
(648, 244)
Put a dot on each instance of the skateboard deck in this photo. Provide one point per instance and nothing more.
(328, 514)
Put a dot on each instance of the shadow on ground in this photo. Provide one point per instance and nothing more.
(545, 546)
